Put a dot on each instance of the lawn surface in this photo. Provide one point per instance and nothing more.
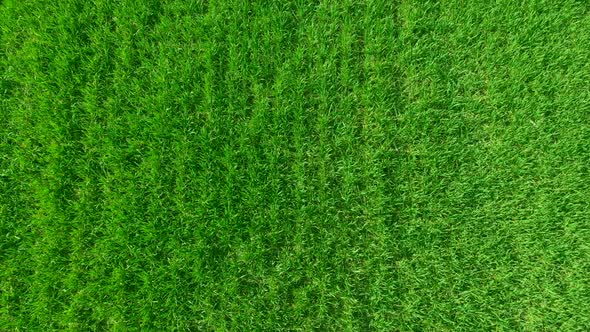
(295, 165)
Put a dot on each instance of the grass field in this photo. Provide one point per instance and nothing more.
(327, 165)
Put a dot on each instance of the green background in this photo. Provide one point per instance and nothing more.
(295, 165)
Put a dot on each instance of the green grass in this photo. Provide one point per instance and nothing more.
(295, 165)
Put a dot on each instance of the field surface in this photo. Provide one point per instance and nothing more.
(351, 165)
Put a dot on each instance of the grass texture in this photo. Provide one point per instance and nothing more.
(346, 165)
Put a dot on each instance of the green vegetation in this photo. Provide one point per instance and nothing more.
(295, 165)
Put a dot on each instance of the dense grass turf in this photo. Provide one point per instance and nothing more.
(295, 165)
